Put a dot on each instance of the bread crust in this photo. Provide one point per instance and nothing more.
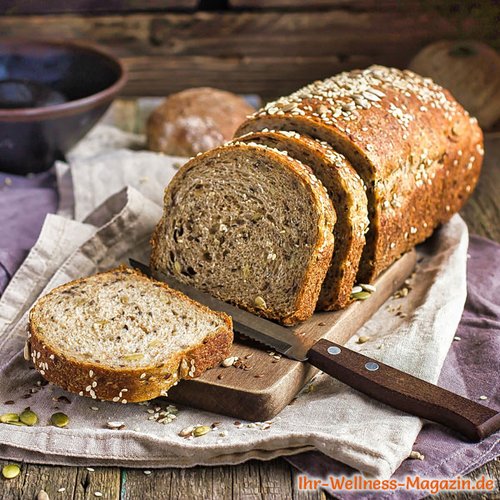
(109, 383)
(419, 172)
(321, 254)
(342, 184)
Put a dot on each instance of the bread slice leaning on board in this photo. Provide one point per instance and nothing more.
(250, 225)
(415, 149)
(122, 337)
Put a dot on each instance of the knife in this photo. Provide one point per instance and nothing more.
(381, 382)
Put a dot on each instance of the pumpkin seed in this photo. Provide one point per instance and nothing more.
(356, 289)
(260, 302)
(133, 357)
(368, 288)
(201, 430)
(59, 419)
(8, 418)
(177, 267)
(361, 295)
(10, 471)
(28, 417)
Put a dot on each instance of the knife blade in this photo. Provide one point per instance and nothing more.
(381, 382)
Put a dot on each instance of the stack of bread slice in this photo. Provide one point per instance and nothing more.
(319, 191)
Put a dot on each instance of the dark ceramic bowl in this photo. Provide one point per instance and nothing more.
(51, 94)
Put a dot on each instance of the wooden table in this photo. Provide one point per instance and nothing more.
(252, 480)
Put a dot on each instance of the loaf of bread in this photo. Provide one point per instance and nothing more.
(386, 144)
(195, 120)
(250, 225)
(122, 337)
(417, 150)
(347, 192)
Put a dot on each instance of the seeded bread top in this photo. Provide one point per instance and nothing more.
(420, 117)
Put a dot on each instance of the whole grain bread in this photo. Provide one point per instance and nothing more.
(417, 150)
(347, 192)
(122, 337)
(250, 225)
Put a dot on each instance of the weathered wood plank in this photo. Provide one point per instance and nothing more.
(62, 482)
(17, 7)
(267, 34)
(106, 480)
(136, 484)
(265, 52)
(482, 212)
(266, 77)
(34, 478)
(357, 5)
(276, 480)
(246, 481)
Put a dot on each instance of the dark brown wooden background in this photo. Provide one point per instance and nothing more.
(268, 47)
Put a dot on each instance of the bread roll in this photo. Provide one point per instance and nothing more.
(195, 120)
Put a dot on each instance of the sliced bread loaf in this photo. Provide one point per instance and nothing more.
(122, 337)
(347, 192)
(417, 150)
(251, 226)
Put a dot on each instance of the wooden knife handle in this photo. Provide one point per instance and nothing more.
(403, 391)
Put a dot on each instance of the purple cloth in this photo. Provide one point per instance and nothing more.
(24, 202)
(471, 368)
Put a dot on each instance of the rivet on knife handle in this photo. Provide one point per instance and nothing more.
(403, 391)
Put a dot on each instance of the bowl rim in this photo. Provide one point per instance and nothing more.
(69, 107)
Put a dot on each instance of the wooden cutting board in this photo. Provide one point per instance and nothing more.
(259, 386)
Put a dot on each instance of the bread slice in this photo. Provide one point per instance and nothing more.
(251, 226)
(123, 337)
(347, 192)
(417, 150)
